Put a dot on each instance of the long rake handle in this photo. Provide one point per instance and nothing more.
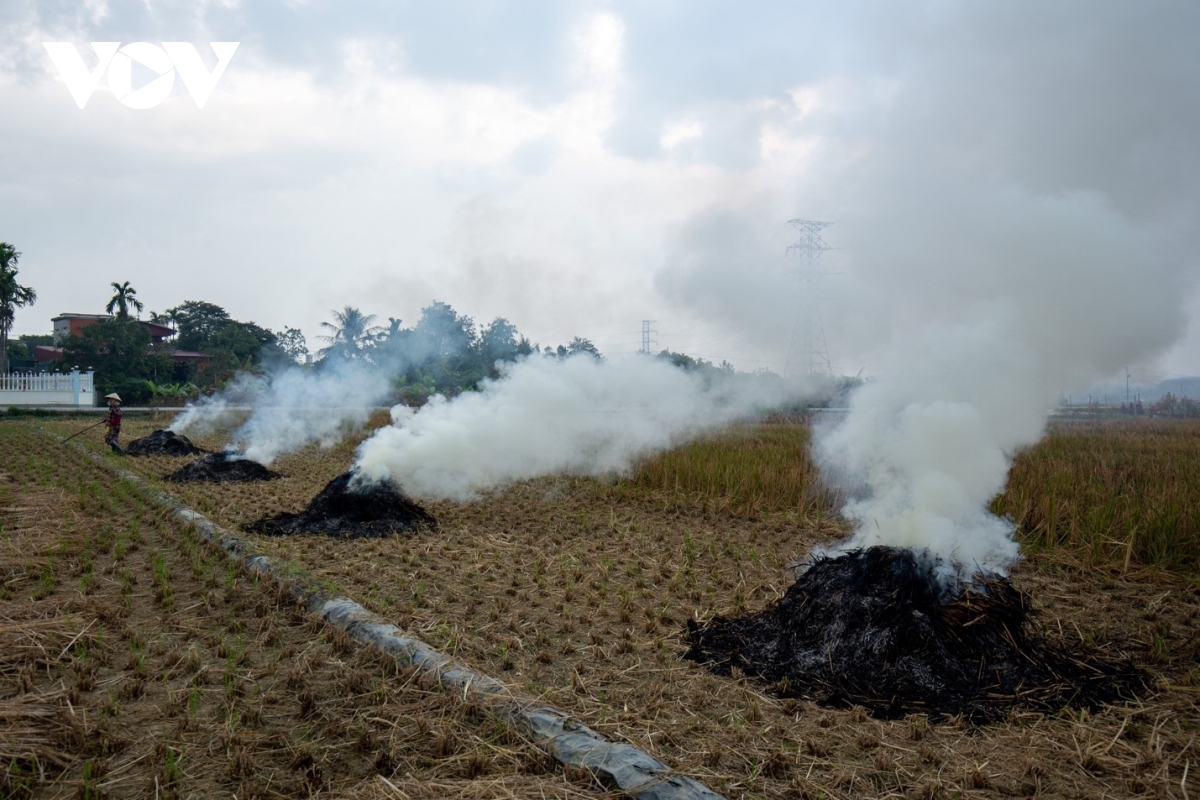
(85, 430)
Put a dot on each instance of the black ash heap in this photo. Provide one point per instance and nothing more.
(351, 508)
(226, 467)
(877, 628)
(163, 443)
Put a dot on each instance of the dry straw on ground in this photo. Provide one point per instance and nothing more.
(579, 590)
(135, 662)
(1121, 491)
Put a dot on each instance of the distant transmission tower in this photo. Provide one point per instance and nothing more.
(807, 351)
(646, 331)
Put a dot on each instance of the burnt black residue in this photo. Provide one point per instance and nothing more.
(222, 468)
(350, 509)
(873, 628)
(163, 443)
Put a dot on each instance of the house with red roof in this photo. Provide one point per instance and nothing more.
(66, 325)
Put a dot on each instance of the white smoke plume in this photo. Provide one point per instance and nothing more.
(291, 409)
(1034, 296)
(211, 413)
(543, 416)
(1016, 222)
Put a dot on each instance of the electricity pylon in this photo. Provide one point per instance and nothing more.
(807, 351)
(646, 331)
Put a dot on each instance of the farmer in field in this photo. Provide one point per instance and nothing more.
(112, 423)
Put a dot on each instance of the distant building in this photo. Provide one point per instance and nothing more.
(73, 325)
(66, 325)
(44, 354)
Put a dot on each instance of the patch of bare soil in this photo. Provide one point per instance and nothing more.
(348, 509)
(137, 662)
(222, 467)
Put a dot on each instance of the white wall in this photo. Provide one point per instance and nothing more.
(7, 399)
(48, 389)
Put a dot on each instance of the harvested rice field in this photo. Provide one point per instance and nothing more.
(579, 591)
(137, 662)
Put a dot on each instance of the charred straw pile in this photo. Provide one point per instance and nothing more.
(163, 443)
(222, 468)
(874, 628)
(349, 509)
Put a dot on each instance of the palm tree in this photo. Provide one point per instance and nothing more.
(124, 297)
(12, 297)
(349, 332)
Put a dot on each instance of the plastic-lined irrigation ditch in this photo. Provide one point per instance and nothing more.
(568, 740)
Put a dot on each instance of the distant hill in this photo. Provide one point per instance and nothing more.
(1180, 387)
(1112, 393)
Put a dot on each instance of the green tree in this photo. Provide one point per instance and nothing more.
(444, 346)
(682, 360)
(195, 321)
(162, 393)
(235, 347)
(25, 346)
(292, 344)
(579, 345)
(244, 340)
(121, 353)
(350, 333)
(498, 341)
(393, 348)
(443, 333)
(207, 328)
(12, 296)
(124, 297)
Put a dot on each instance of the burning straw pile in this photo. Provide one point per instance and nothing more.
(874, 628)
(163, 443)
(350, 509)
(222, 468)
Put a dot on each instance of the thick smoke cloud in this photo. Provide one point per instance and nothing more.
(291, 409)
(543, 416)
(1028, 297)
(1017, 207)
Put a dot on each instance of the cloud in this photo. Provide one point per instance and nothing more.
(341, 153)
(948, 162)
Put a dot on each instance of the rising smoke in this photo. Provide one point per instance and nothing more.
(578, 416)
(294, 407)
(1017, 221)
(1048, 300)
(290, 409)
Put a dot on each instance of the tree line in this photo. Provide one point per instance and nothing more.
(444, 352)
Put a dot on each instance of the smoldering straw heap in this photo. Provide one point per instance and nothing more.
(879, 628)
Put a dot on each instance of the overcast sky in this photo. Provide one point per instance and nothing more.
(578, 167)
